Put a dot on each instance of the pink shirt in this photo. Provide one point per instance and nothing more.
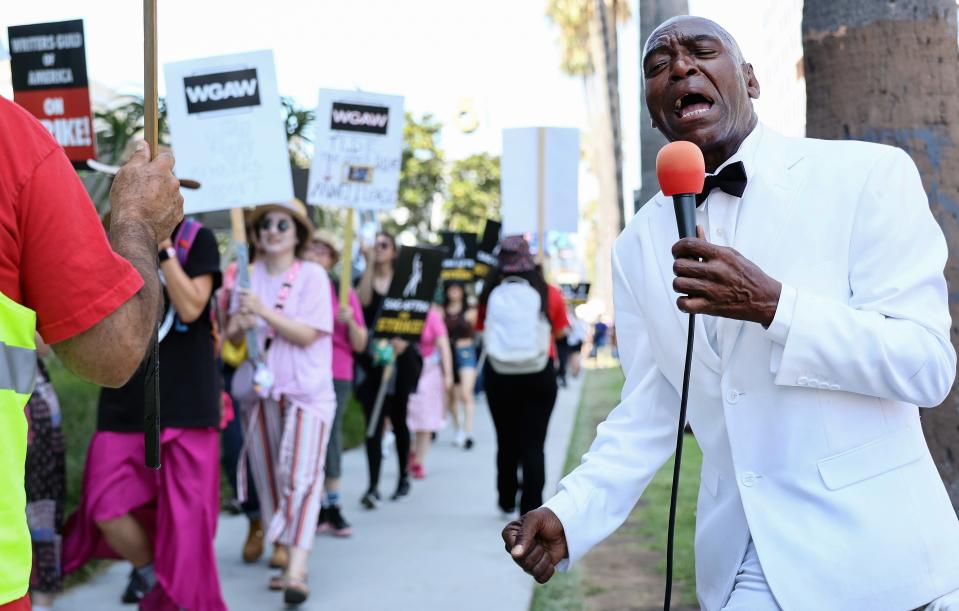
(342, 349)
(433, 329)
(303, 374)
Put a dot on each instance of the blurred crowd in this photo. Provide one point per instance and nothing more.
(258, 365)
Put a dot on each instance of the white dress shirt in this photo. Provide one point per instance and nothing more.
(719, 217)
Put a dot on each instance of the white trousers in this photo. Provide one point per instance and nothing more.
(751, 592)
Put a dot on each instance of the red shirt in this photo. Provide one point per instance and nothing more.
(54, 255)
(555, 306)
(21, 604)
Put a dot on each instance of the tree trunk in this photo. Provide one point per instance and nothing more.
(651, 14)
(608, 25)
(889, 72)
(603, 162)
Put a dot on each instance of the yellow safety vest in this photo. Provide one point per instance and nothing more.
(18, 372)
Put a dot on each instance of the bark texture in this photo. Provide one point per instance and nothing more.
(889, 72)
(651, 14)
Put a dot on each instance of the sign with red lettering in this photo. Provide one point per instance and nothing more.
(49, 72)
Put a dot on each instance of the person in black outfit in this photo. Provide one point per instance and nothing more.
(123, 502)
(372, 289)
(521, 404)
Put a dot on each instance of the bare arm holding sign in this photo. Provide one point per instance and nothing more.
(146, 206)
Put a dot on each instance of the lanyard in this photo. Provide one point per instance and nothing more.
(285, 289)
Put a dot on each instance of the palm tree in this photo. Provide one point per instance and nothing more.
(889, 72)
(588, 37)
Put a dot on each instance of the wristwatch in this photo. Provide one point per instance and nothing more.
(166, 253)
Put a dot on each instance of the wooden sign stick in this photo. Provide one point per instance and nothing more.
(346, 269)
(237, 225)
(541, 197)
(151, 399)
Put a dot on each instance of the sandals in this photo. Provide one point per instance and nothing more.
(296, 591)
(277, 583)
(280, 557)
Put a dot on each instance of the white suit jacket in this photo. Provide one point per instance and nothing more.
(811, 442)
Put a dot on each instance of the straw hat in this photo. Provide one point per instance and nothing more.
(294, 207)
(332, 241)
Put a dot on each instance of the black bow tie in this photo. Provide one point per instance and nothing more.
(731, 179)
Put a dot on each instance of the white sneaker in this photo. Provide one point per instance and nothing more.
(389, 440)
(460, 438)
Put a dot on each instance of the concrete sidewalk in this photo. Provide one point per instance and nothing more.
(438, 549)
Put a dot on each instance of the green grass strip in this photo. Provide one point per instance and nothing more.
(647, 525)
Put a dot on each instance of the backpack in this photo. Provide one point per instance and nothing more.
(184, 238)
(518, 335)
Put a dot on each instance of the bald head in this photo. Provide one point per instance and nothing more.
(697, 86)
(682, 23)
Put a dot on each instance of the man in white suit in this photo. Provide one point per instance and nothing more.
(823, 323)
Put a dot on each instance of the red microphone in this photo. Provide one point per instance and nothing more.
(681, 171)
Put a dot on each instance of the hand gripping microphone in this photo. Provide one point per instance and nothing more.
(681, 171)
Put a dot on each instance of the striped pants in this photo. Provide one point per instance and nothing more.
(286, 448)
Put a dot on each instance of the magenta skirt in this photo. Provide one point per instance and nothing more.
(177, 506)
(427, 405)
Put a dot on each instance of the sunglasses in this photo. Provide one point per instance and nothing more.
(282, 226)
(383, 245)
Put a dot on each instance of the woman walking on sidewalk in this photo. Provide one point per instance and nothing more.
(163, 522)
(349, 336)
(372, 289)
(428, 403)
(287, 399)
(461, 323)
(522, 316)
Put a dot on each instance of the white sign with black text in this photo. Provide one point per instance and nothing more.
(227, 131)
(359, 150)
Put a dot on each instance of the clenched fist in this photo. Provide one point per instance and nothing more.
(537, 543)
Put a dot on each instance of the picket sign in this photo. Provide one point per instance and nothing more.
(405, 308)
(357, 160)
(554, 153)
(48, 72)
(224, 116)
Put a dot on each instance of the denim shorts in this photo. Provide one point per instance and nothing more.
(464, 356)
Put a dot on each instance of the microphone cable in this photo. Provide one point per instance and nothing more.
(681, 171)
(680, 434)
